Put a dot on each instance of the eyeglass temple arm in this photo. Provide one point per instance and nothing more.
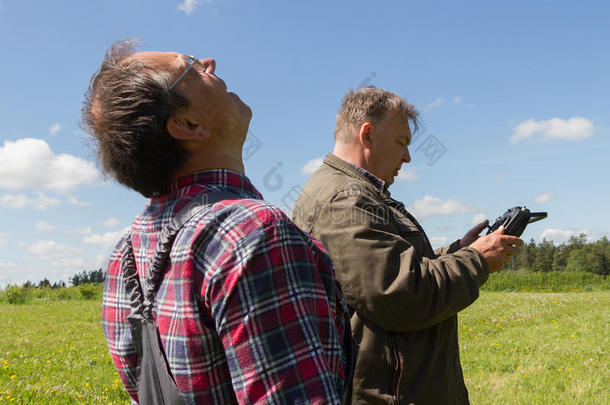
(183, 74)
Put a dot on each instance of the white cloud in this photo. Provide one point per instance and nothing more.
(72, 199)
(56, 270)
(110, 222)
(46, 259)
(430, 206)
(3, 239)
(438, 241)
(188, 6)
(560, 235)
(556, 235)
(54, 129)
(457, 99)
(477, 219)
(543, 197)
(437, 102)
(101, 261)
(105, 240)
(42, 226)
(75, 264)
(40, 201)
(14, 201)
(80, 231)
(51, 250)
(10, 273)
(406, 174)
(53, 260)
(57, 255)
(312, 165)
(30, 163)
(572, 129)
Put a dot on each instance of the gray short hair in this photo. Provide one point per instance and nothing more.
(370, 104)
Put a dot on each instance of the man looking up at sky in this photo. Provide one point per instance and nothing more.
(404, 296)
(248, 309)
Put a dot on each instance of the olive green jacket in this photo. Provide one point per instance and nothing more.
(405, 296)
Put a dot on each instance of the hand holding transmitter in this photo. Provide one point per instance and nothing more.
(515, 220)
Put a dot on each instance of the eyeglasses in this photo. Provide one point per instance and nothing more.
(194, 61)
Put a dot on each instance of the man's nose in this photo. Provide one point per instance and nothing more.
(209, 64)
(406, 156)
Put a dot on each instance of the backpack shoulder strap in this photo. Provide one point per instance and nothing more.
(142, 295)
(155, 382)
(132, 282)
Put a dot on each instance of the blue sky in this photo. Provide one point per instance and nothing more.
(513, 95)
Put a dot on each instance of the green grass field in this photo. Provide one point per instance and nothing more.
(516, 348)
(54, 352)
(537, 348)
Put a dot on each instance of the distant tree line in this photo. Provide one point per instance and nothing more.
(575, 255)
(87, 277)
(84, 277)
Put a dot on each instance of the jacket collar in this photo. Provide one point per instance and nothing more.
(354, 171)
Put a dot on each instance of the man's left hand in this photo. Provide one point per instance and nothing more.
(473, 234)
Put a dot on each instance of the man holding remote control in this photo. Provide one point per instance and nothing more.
(404, 297)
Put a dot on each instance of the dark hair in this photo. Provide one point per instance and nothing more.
(126, 109)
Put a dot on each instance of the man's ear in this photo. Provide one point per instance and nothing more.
(183, 130)
(365, 135)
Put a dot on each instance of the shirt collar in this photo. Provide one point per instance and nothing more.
(379, 184)
(216, 179)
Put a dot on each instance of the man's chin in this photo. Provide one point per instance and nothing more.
(249, 111)
(243, 106)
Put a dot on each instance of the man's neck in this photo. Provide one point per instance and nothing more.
(209, 161)
(351, 155)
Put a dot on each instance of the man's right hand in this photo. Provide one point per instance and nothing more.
(497, 248)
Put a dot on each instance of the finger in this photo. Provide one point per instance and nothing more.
(509, 240)
(509, 250)
(499, 231)
(479, 228)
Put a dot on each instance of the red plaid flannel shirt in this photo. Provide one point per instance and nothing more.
(249, 310)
